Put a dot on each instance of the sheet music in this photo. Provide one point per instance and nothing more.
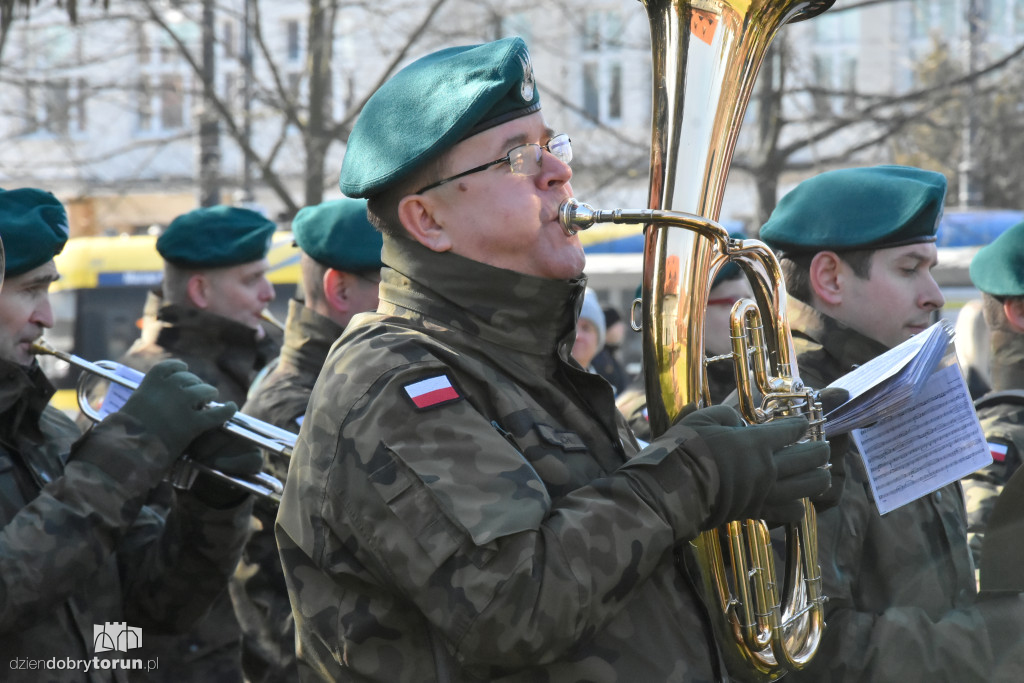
(887, 382)
(887, 365)
(930, 443)
(117, 395)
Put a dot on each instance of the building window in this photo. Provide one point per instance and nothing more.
(81, 113)
(55, 107)
(143, 46)
(835, 49)
(172, 102)
(615, 91)
(294, 80)
(294, 45)
(928, 17)
(602, 71)
(591, 89)
(228, 39)
(144, 105)
(161, 103)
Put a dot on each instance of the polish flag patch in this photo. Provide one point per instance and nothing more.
(432, 392)
(998, 451)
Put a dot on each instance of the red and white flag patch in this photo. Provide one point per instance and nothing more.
(431, 392)
(998, 451)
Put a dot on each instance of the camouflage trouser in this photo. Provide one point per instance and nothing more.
(260, 596)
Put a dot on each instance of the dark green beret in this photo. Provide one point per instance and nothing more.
(998, 268)
(338, 235)
(216, 237)
(858, 208)
(33, 227)
(432, 104)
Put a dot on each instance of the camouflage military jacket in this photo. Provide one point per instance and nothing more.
(224, 353)
(1001, 413)
(902, 601)
(79, 549)
(227, 355)
(466, 504)
(283, 394)
(260, 595)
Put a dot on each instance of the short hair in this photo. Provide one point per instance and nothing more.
(796, 269)
(312, 280)
(992, 310)
(382, 208)
(175, 284)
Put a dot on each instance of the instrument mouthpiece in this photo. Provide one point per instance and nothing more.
(575, 216)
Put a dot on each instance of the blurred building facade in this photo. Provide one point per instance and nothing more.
(105, 113)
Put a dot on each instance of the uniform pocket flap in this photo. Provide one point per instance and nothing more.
(567, 441)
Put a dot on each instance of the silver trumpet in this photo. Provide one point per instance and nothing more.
(264, 435)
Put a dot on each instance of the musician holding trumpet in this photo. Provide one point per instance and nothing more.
(464, 501)
(79, 547)
(208, 313)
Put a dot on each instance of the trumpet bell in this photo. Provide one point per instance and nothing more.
(105, 386)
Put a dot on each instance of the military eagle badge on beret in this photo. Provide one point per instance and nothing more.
(526, 89)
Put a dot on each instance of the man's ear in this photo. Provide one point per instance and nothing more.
(417, 214)
(1014, 310)
(198, 290)
(336, 286)
(826, 277)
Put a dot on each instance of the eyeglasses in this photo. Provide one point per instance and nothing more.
(524, 160)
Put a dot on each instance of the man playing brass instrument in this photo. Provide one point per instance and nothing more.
(215, 289)
(79, 548)
(464, 501)
(858, 246)
(208, 314)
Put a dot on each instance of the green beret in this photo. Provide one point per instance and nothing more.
(432, 104)
(998, 268)
(338, 235)
(216, 237)
(33, 227)
(858, 208)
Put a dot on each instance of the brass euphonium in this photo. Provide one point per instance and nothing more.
(706, 55)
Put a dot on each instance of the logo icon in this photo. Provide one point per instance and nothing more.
(527, 86)
(116, 636)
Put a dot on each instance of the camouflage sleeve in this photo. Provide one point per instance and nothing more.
(904, 642)
(172, 583)
(980, 494)
(442, 510)
(58, 541)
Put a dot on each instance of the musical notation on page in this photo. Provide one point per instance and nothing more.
(912, 418)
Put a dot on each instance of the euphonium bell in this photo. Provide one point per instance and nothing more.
(706, 55)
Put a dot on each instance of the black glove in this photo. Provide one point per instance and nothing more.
(763, 474)
(838, 445)
(169, 404)
(227, 453)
